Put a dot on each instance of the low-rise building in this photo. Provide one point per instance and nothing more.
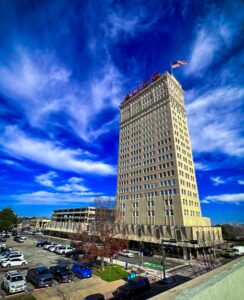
(70, 221)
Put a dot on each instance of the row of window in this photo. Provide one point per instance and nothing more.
(191, 213)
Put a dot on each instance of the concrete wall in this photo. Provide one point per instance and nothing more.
(224, 283)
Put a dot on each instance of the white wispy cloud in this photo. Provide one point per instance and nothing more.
(73, 184)
(225, 198)
(43, 88)
(46, 179)
(210, 45)
(123, 21)
(215, 121)
(201, 166)
(218, 180)
(16, 143)
(53, 198)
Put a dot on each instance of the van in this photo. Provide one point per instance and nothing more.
(135, 288)
(40, 276)
(238, 250)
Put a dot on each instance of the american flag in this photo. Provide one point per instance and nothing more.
(178, 63)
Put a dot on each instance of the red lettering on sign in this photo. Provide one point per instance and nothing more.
(155, 76)
(144, 84)
(127, 96)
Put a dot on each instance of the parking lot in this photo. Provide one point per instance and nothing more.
(77, 289)
(38, 256)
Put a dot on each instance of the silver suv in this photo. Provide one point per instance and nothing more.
(11, 255)
(14, 282)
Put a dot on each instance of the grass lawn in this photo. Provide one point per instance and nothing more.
(24, 297)
(111, 273)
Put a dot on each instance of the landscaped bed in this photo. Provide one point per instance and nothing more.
(111, 273)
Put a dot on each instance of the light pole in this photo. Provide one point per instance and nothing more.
(163, 259)
(163, 252)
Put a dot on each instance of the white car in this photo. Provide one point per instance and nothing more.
(2, 245)
(23, 237)
(14, 282)
(53, 248)
(238, 250)
(126, 254)
(13, 261)
(45, 247)
(63, 249)
(12, 254)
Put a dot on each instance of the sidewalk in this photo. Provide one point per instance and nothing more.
(78, 290)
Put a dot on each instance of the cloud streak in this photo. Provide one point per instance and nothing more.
(51, 154)
(53, 198)
(225, 198)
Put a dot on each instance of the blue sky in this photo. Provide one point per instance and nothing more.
(65, 67)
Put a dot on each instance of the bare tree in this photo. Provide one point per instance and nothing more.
(99, 239)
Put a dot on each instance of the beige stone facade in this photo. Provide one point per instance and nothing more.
(157, 195)
(71, 220)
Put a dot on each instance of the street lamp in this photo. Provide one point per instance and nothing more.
(164, 254)
(163, 258)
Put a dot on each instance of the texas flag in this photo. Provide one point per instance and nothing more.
(178, 63)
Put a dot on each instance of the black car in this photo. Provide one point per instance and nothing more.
(94, 297)
(40, 276)
(2, 240)
(76, 254)
(147, 252)
(42, 243)
(61, 273)
(135, 288)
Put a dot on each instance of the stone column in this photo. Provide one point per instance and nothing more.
(184, 249)
(189, 253)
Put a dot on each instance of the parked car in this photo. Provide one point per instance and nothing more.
(61, 273)
(2, 239)
(13, 261)
(63, 249)
(2, 245)
(45, 247)
(40, 276)
(53, 248)
(147, 252)
(135, 287)
(23, 237)
(13, 254)
(6, 235)
(229, 253)
(75, 255)
(42, 243)
(126, 254)
(94, 297)
(18, 239)
(14, 282)
(239, 250)
(6, 251)
(81, 270)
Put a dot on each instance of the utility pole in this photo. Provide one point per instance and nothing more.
(163, 259)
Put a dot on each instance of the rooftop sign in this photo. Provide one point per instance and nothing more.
(145, 83)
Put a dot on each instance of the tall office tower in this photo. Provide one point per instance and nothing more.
(157, 196)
